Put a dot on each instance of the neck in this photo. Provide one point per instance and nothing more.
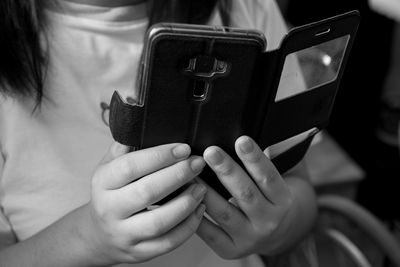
(107, 3)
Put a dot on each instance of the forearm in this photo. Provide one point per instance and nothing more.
(63, 243)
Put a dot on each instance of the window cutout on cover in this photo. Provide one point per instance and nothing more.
(312, 67)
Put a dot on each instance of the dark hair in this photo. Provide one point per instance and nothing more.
(21, 56)
(23, 59)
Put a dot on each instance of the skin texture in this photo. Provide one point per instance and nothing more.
(266, 215)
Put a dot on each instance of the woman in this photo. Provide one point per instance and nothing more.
(61, 207)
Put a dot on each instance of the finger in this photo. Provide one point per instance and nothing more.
(129, 167)
(229, 217)
(172, 239)
(237, 182)
(152, 188)
(116, 150)
(216, 238)
(154, 223)
(263, 172)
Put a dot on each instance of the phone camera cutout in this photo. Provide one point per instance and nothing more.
(200, 90)
(221, 66)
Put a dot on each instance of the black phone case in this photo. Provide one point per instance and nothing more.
(209, 91)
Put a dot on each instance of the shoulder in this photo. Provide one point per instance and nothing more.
(263, 15)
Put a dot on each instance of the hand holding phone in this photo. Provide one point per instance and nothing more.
(205, 86)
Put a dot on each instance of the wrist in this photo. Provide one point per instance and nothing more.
(299, 220)
(70, 241)
(282, 239)
(91, 239)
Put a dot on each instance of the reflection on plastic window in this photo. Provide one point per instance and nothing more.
(312, 67)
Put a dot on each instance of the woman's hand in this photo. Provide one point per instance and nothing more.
(121, 229)
(257, 217)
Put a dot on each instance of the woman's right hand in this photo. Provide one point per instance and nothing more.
(120, 228)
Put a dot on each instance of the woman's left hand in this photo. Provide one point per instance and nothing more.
(253, 220)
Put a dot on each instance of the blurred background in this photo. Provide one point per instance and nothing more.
(358, 157)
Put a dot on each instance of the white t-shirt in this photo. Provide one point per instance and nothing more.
(48, 156)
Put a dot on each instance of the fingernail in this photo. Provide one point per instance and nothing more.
(198, 191)
(246, 145)
(214, 157)
(200, 210)
(181, 151)
(197, 164)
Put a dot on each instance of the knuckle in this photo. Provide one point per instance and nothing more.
(124, 167)
(123, 244)
(143, 193)
(212, 239)
(256, 157)
(273, 177)
(248, 194)
(188, 203)
(183, 172)
(263, 182)
(224, 216)
(157, 156)
(225, 169)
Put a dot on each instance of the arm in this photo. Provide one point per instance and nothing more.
(60, 244)
(114, 226)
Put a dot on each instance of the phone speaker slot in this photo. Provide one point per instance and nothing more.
(325, 31)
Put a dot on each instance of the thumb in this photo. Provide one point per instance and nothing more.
(116, 150)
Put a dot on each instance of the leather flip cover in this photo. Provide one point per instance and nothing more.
(183, 102)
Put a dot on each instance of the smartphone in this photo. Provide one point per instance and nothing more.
(194, 83)
(194, 87)
(209, 85)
